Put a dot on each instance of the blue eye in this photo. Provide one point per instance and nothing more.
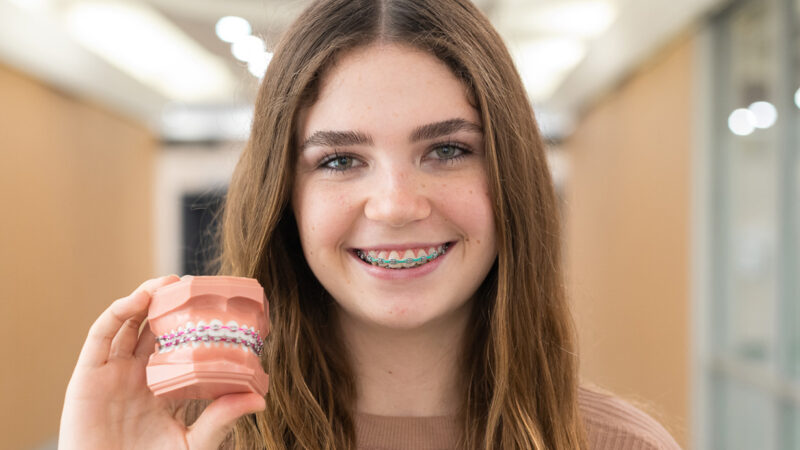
(340, 163)
(337, 163)
(449, 152)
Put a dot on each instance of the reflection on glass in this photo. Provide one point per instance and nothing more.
(750, 419)
(794, 126)
(755, 369)
(751, 189)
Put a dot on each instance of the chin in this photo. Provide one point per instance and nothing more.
(403, 323)
(402, 317)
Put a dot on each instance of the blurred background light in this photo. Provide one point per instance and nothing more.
(140, 42)
(797, 98)
(33, 5)
(248, 48)
(742, 122)
(765, 114)
(577, 18)
(544, 62)
(182, 122)
(231, 28)
(258, 66)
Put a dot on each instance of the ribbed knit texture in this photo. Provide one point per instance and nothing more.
(611, 424)
(382, 432)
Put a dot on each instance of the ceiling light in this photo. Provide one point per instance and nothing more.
(577, 18)
(182, 122)
(247, 48)
(797, 98)
(742, 122)
(140, 42)
(231, 28)
(543, 63)
(33, 5)
(258, 66)
(765, 114)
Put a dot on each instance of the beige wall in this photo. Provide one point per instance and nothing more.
(627, 231)
(75, 189)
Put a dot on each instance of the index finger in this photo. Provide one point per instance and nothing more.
(96, 349)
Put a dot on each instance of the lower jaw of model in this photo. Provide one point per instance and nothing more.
(407, 263)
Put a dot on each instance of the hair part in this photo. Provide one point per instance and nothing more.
(519, 359)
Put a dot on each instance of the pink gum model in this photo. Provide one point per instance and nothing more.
(210, 332)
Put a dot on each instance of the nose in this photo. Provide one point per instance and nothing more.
(397, 198)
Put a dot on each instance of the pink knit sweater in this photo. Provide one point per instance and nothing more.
(611, 424)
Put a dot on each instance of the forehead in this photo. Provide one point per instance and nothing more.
(386, 88)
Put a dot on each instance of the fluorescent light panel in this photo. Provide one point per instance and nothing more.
(543, 63)
(37, 6)
(575, 18)
(550, 38)
(140, 42)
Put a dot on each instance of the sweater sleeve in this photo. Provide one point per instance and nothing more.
(614, 424)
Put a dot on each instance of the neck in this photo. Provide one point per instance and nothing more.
(409, 372)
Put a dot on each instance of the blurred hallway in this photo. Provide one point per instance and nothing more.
(673, 128)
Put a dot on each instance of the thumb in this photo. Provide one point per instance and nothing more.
(218, 419)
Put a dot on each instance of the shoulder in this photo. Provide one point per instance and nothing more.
(612, 423)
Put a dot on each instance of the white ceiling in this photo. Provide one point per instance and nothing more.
(35, 40)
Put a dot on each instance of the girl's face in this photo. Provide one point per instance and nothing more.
(391, 167)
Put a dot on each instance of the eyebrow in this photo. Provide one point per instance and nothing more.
(326, 138)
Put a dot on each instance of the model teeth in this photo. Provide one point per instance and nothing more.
(395, 260)
(214, 333)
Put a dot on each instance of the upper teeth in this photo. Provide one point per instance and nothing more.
(402, 259)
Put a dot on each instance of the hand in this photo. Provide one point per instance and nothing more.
(108, 404)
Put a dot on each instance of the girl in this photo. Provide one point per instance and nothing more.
(395, 202)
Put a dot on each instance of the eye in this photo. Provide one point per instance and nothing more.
(338, 162)
(449, 152)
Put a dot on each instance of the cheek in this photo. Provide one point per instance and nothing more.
(467, 202)
(323, 215)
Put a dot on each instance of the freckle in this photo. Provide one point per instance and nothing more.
(390, 372)
(423, 184)
(313, 228)
(311, 252)
(466, 239)
(470, 191)
(479, 241)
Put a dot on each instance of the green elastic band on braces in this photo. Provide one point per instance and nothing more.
(401, 261)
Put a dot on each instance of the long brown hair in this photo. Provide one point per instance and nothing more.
(519, 360)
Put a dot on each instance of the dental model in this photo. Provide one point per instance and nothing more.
(209, 338)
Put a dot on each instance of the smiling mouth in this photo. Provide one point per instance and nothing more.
(404, 259)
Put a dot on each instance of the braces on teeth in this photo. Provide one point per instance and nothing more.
(424, 259)
(214, 333)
